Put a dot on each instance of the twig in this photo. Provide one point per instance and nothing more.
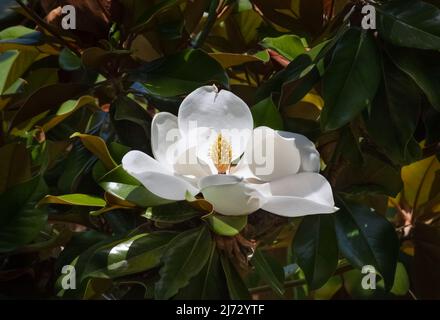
(212, 17)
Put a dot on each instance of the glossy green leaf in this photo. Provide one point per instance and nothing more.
(74, 200)
(209, 284)
(351, 80)
(316, 249)
(296, 69)
(422, 68)
(12, 66)
(228, 226)
(13, 172)
(98, 147)
(410, 23)
(237, 288)
(228, 60)
(20, 221)
(353, 285)
(38, 101)
(184, 258)
(132, 123)
(265, 113)
(176, 76)
(367, 238)
(118, 175)
(67, 109)
(289, 46)
(133, 255)
(135, 194)
(24, 39)
(329, 289)
(146, 17)
(269, 272)
(370, 176)
(172, 213)
(68, 60)
(392, 120)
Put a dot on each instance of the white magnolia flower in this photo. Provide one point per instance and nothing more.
(213, 149)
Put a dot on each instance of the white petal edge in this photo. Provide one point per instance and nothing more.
(299, 194)
(155, 177)
(165, 135)
(310, 158)
(270, 156)
(230, 195)
(222, 111)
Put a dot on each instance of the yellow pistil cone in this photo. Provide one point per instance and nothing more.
(221, 154)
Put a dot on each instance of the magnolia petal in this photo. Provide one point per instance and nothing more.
(230, 195)
(310, 159)
(187, 154)
(297, 195)
(155, 177)
(271, 156)
(295, 207)
(164, 136)
(221, 111)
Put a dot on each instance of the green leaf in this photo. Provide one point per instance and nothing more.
(370, 176)
(68, 60)
(353, 285)
(13, 172)
(146, 17)
(367, 238)
(20, 221)
(296, 69)
(209, 284)
(228, 60)
(410, 23)
(13, 65)
(265, 113)
(351, 80)
(133, 255)
(184, 258)
(95, 58)
(228, 226)
(135, 194)
(24, 39)
(316, 249)
(176, 76)
(273, 274)
(172, 213)
(73, 200)
(422, 67)
(401, 281)
(132, 123)
(67, 109)
(329, 289)
(236, 286)
(44, 99)
(392, 120)
(289, 46)
(97, 146)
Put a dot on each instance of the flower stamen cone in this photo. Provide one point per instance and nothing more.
(221, 154)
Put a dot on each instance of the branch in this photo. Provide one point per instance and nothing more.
(212, 17)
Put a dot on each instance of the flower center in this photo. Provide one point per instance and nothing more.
(221, 154)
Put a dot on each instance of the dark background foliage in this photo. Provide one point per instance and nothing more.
(73, 102)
